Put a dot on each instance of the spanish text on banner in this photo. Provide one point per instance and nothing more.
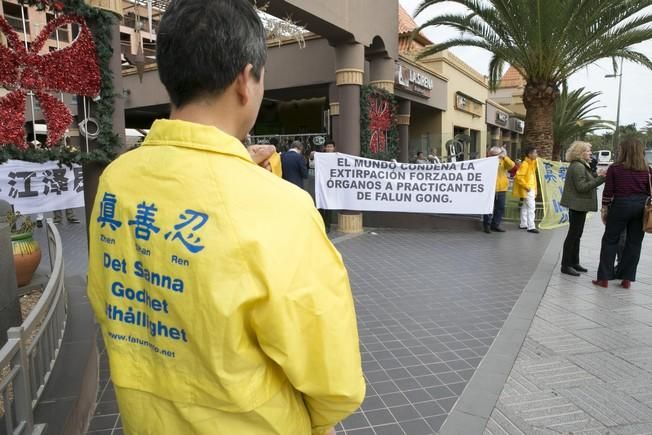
(41, 187)
(344, 182)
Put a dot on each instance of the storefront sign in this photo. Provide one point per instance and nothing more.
(468, 104)
(502, 118)
(344, 182)
(413, 80)
(41, 187)
(517, 125)
(552, 176)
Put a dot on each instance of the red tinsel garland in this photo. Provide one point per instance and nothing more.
(73, 70)
(380, 121)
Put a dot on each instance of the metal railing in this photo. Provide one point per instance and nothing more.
(32, 348)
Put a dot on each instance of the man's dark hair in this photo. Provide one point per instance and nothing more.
(202, 46)
(529, 150)
(329, 142)
(297, 144)
(420, 153)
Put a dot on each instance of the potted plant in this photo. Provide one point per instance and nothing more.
(27, 253)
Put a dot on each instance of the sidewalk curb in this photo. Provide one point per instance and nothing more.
(472, 410)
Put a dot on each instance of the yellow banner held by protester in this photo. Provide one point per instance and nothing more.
(552, 176)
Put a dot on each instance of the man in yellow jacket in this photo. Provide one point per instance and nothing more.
(212, 323)
(492, 221)
(525, 188)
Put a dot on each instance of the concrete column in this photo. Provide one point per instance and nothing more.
(334, 100)
(403, 121)
(92, 171)
(349, 75)
(9, 305)
(381, 73)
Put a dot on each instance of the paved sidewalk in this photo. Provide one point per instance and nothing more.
(586, 364)
(429, 306)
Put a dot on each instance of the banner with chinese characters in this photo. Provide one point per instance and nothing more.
(41, 187)
(552, 176)
(344, 182)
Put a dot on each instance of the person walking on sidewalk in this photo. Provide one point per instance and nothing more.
(580, 197)
(70, 216)
(623, 201)
(211, 321)
(525, 188)
(492, 221)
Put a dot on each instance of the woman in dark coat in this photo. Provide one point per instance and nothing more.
(580, 196)
(623, 202)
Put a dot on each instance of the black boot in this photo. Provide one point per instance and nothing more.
(580, 268)
(487, 229)
(569, 271)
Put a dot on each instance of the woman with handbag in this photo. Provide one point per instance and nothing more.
(580, 196)
(627, 190)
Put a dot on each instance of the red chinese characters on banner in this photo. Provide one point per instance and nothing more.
(73, 69)
(380, 122)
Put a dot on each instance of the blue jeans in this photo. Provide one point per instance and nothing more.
(494, 220)
(625, 214)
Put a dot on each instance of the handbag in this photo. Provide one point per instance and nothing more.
(647, 213)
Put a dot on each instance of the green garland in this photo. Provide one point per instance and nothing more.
(392, 148)
(108, 143)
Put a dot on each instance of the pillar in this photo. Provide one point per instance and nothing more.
(403, 121)
(9, 305)
(349, 74)
(334, 100)
(381, 73)
(92, 171)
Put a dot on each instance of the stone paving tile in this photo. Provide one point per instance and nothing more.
(609, 407)
(607, 367)
(604, 386)
(548, 410)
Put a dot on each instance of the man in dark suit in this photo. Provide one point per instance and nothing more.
(295, 169)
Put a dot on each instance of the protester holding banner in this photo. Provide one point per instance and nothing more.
(627, 187)
(212, 322)
(492, 221)
(525, 188)
(326, 215)
(580, 196)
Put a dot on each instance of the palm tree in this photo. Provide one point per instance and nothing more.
(572, 119)
(546, 41)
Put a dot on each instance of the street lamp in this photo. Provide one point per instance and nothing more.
(620, 89)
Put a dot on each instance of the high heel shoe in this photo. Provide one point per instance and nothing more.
(626, 284)
(601, 283)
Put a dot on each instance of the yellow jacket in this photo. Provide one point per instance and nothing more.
(526, 178)
(224, 307)
(502, 182)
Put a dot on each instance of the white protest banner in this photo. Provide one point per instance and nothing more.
(41, 187)
(344, 182)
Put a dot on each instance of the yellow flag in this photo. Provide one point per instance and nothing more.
(552, 176)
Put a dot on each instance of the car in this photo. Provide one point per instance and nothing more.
(604, 157)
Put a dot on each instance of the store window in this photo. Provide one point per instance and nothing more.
(15, 18)
(62, 32)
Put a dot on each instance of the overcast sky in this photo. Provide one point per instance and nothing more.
(636, 105)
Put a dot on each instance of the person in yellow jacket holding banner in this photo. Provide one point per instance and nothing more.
(492, 221)
(525, 188)
(211, 322)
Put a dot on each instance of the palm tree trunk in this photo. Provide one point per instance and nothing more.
(539, 100)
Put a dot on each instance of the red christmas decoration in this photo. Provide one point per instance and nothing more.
(72, 70)
(380, 121)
